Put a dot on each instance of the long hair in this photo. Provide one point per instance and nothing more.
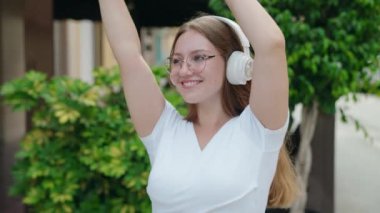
(235, 98)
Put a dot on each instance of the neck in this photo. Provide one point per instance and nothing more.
(211, 114)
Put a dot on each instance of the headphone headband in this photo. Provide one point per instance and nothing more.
(242, 37)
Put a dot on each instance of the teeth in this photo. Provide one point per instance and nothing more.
(190, 83)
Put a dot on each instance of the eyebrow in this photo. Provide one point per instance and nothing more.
(194, 51)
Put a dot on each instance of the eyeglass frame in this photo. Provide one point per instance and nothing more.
(205, 58)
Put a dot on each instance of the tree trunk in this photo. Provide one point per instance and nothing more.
(304, 156)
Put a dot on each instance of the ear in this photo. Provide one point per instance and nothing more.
(239, 68)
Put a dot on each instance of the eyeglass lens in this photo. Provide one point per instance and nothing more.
(196, 62)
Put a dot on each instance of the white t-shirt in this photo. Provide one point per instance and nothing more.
(233, 173)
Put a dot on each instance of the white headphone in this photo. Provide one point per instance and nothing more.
(239, 64)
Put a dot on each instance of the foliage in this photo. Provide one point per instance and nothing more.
(82, 153)
(333, 47)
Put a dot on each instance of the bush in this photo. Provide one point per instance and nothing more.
(82, 153)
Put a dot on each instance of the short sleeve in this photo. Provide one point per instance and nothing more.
(168, 118)
(266, 139)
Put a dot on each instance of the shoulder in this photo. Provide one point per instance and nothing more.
(267, 139)
(169, 118)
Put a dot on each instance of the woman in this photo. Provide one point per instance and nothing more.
(223, 156)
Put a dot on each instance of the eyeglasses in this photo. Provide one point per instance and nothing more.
(195, 62)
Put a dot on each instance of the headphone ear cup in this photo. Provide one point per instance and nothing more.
(239, 68)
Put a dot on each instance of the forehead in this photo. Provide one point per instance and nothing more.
(192, 41)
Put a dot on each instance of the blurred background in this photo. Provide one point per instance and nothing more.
(333, 55)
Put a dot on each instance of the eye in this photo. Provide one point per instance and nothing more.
(176, 61)
(198, 58)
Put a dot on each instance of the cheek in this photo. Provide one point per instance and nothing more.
(219, 73)
(173, 80)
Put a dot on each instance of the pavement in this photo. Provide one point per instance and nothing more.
(357, 158)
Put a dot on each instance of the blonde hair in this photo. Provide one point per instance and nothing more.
(284, 189)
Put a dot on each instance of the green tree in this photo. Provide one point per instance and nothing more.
(333, 47)
(82, 153)
(333, 51)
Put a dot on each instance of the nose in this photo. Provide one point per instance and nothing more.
(185, 69)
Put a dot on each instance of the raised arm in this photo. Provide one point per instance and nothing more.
(270, 89)
(144, 98)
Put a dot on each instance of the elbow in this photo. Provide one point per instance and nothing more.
(277, 41)
(273, 43)
(126, 50)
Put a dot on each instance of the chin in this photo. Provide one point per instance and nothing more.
(190, 100)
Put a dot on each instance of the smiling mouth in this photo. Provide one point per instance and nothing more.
(191, 83)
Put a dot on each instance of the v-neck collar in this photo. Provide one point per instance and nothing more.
(209, 143)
